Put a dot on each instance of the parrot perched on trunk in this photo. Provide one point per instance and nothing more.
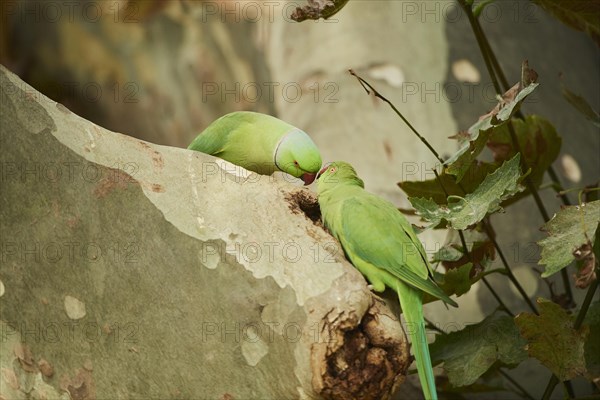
(382, 245)
(260, 143)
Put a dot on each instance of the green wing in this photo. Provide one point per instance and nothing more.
(243, 138)
(213, 140)
(397, 249)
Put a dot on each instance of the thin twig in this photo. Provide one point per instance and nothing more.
(584, 190)
(370, 89)
(498, 299)
(561, 190)
(492, 65)
(586, 303)
(509, 272)
(512, 380)
(488, 48)
(501, 271)
(433, 326)
(563, 272)
(491, 62)
(488, 56)
(469, 256)
(479, 37)
(578, 321)
(550, 388)
(500, 73)
(525, 168)
(366, 85)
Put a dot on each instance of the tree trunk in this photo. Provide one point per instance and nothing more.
(133, 270)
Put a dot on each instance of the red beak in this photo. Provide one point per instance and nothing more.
(308, 178)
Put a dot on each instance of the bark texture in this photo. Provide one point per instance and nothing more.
(133, 270)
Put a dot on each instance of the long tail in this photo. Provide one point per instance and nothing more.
(411, 301)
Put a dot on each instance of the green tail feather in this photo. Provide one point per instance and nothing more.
(412, 308)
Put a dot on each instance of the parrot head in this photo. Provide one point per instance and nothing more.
(337, 173)
(297, 155)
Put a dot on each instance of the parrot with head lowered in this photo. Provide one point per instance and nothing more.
(381, 244)
(260, 143)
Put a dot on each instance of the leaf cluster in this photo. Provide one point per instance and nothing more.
(466, 191)
(503, 158)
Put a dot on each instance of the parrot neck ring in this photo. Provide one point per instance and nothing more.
(285, 159)
(275, 154)
(276, 150)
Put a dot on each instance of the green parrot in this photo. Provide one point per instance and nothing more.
(382, 245)
(260, 143)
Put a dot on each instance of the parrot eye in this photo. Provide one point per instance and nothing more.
(296, 163)
(332, 169)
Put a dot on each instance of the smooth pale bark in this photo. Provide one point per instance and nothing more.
(133, 270)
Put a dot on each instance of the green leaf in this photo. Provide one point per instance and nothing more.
(469, 353)
(427, 209)
(480, 248)
(592, 344)
(471, 209)
(481, 253)
(491, 381)
(567, 232)
(447, 253)
(553, 341)
(457, 280)
(581, 105)
(479, 133)
(462, 270)
(464, 158)
(472, 178)
(538, 141)
(581, 15)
